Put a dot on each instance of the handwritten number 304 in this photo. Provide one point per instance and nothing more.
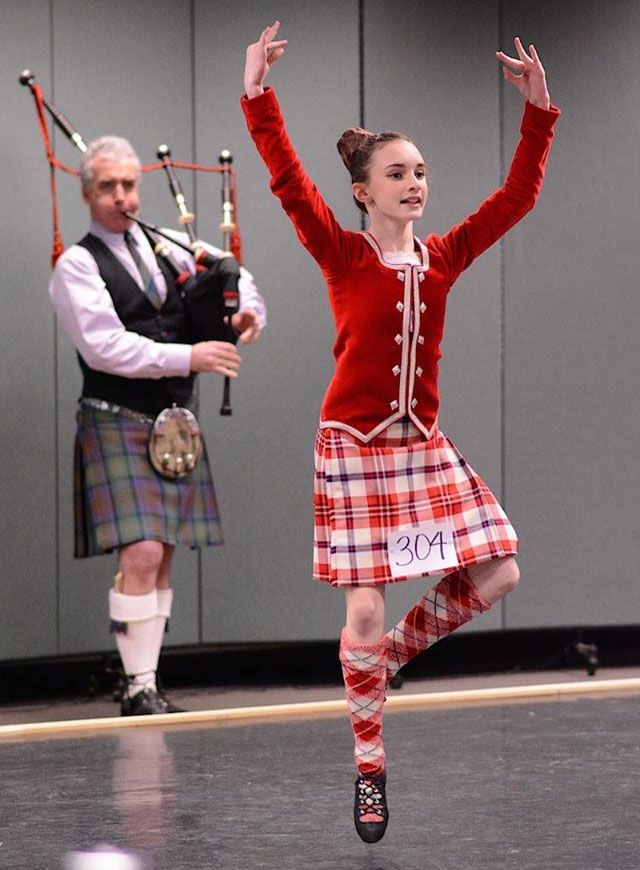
(419, 548)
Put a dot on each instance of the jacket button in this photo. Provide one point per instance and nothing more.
(400, 306)
(423, 307)
(393, 405)
(421, 339)
(398, 339)
(419, 372)
(414, 402)
(396, 370)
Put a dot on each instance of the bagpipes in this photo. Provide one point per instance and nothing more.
(211, 296)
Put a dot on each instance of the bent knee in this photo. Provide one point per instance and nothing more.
(496, 578)
(512, 577)
(507, 576)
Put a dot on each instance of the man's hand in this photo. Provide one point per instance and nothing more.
(215, 356)
(247, 324)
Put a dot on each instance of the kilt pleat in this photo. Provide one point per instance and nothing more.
(398, 480)
(119, 498)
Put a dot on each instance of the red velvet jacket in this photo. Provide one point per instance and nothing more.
(390, 319)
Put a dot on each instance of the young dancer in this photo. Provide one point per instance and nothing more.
(393, 497)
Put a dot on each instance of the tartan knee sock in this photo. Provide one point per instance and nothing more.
(364, 668)
(449, 604)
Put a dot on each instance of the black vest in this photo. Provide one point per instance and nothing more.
(146, 395)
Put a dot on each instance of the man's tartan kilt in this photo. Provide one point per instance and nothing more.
(364, 491)
(120, 499)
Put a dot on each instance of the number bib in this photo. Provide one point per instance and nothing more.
(420, 549)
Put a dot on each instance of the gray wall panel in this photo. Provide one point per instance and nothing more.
(27, 377)
(436, 81)
(571, 365)
(573, 323)
(115, 75)
(259, 585)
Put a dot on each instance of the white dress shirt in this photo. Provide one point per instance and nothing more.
(85, 308)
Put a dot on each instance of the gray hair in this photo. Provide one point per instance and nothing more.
(113, 148)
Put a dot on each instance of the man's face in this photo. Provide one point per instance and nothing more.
(113, 189)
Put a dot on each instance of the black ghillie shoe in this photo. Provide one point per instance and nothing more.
(370, 800)
(145, 703)
(171, 707)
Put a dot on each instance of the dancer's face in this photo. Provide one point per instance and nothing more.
(396, 185)
(113, 189)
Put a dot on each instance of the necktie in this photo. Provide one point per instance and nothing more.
(150, 287)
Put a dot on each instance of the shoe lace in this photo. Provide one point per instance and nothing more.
(370, 797)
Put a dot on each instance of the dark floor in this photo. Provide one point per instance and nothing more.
(529, 785)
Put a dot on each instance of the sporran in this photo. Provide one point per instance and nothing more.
(175, 443)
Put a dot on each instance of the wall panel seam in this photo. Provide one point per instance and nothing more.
(363, 221)
(56, 380)
(503, 294)
(194, 178)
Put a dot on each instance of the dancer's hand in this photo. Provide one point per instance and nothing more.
(526, 74)
(261, 56)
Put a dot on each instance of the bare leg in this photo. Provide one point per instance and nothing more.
(365, 613)
(164, 571)
(495, 578)
(140, 565)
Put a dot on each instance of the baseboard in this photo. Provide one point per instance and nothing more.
(315, 663)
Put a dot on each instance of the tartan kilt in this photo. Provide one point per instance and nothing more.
(399, 479)
(120, 499)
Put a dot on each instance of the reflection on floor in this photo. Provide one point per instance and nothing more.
(527, 785)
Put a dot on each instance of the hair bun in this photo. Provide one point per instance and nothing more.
(350, 142)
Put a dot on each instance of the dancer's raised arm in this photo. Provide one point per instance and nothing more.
(314, 222)
(261, 56)
(518, 194)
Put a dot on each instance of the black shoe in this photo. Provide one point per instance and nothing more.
(171, 708)
(145, 703)
(371, 799)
